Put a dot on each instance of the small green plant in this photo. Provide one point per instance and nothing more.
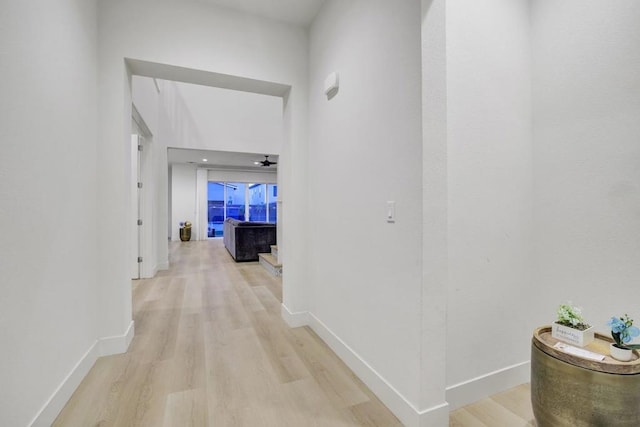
(571, 316)
(623, 331)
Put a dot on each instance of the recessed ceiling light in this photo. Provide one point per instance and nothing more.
(256, 163)
(204, 160)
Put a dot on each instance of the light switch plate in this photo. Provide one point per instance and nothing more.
(391, 211)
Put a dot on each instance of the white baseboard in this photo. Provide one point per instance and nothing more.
(409, 415)
(457, 395)
(101, 347)
(438, 416)
(154, 270)
(294, 320)
(149, 273)
(47, 415)
(117, 344)
(467, 392)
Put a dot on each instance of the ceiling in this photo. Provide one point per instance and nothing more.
(225, 160)
(298, 12)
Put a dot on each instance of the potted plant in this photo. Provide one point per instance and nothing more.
(185, 231)
(623, 331)
(570, 326)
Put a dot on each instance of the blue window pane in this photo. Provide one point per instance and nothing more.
(215, 205)
(229, 199)
(235, 200)
(257, 202)
(271, 202)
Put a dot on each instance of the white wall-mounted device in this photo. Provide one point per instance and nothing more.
(331, 85)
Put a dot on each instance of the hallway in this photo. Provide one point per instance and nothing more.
(210, 349)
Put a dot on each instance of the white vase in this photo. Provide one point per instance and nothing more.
(571, 335)
(621, 354)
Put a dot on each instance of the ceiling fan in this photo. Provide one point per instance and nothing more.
(266, 162)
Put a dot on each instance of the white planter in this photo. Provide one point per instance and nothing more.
(571, 335)
(621, 354)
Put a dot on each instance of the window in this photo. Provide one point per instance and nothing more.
(272, 196)
(258, 202)
(242, 201)
(215, 208)
(236, 200)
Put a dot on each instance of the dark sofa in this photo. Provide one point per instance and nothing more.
(245, 240)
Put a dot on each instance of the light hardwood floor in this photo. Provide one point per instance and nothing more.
(511, 408)
(210, 349)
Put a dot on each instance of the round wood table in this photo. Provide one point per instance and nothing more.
(572, 391)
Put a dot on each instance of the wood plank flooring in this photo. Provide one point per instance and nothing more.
(210, 349)
(511, 408)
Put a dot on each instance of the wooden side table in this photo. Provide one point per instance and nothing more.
(571, 391)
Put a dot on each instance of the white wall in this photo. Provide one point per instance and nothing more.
(489, 168)
(183, 198)
(201, 37)
(586, 156)
(210, 118)
(366, 274)
(48, 214)
(229, 120)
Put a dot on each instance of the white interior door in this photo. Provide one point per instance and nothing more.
(135, 207)
(144, 253)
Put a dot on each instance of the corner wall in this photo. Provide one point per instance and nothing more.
(48, 206)
(435, 263)
(490, 193)
(366, 149)
(543, 185)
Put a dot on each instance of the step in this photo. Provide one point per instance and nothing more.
(274, 250)
(270, 262)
